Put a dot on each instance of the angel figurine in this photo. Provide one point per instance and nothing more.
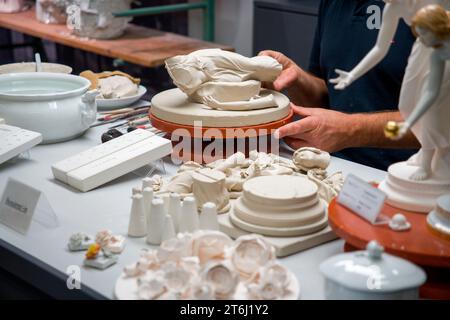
(432, 26)
(415, 77)
(224, 80)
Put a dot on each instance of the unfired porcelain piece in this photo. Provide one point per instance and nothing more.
(209, 186)
(224, 80)
(199, 266)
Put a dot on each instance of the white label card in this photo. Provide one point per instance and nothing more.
(362, 197)
(18, 205)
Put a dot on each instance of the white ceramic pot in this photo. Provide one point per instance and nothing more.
(371, 275)
(31, 67)
(58, 106)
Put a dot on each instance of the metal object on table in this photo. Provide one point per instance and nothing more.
(208, 7)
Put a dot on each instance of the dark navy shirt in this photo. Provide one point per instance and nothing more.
(343, 38)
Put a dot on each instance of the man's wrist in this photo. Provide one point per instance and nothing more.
(356, 130)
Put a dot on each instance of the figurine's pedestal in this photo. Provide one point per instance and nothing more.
(418, 244)
(404, 193)
(204, 135)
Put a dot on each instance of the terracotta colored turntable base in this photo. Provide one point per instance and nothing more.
(418, 244)
(229, 140)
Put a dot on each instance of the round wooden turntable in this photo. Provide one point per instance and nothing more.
(205, 135)
(419, 244)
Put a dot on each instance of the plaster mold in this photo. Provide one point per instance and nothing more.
(280, 206)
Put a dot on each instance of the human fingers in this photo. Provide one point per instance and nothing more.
(296, 128)
(296, 143)
(286, 79)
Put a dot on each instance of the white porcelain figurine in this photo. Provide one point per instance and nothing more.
(415, 185)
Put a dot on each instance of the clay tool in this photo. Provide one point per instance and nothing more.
(123, 115)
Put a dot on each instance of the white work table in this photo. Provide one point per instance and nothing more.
(40, 257)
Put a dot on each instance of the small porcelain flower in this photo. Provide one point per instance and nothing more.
(151, 258)
(176, 248)
(151, 286)
(103, 238)
(222, 278)
(76, 240)
(137, 269)
(210, 245)
(200, 290)
(93, 251)
(269, 283)
(250, 252)
(116, 244)
(177, 279)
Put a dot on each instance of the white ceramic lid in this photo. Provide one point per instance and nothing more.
(372, 271)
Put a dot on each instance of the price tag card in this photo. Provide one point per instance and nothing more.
(361, 197)
(18, 205)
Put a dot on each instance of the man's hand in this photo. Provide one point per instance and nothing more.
(303, 88)
(320, 128)
(290, 74)
(333, 131)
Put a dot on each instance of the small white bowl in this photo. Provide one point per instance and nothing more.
(22, 67)
(111, 104)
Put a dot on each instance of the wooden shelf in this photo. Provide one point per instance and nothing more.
(139, 45)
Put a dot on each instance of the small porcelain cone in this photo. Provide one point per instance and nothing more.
(136, 190)
(147, 182)
(208, 217)
(166, 200)
(147, 194)
(169, 229)
(137, 226)
(175, 209)
(155, 223)
(188, 221)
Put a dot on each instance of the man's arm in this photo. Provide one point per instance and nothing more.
(333, 131)
(303, 88)
(369, 131)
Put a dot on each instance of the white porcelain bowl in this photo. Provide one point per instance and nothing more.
(56, 105)
(31, 67)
